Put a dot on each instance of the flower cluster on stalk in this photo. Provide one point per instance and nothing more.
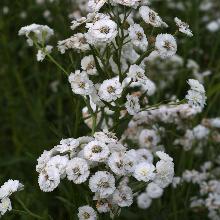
(117, 41)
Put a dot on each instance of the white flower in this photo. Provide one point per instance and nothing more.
(83, 5)
(43, 159)
(149, 87)
(10, 187)
(116, 147)
(144, 155)
(5, 205)
(102, 31)
(137, 74)
(77, 42)
(215, 122)
(49, 179)
(123, 196)
(194, 176)
(149, 138)
(196, 99)
(196, 85)
(144, 201)
(80, 83)
(213, 201)
(78, 21)
(95, 99)
(67, 145)
(132, 104)
(103, 183)
(86, 213)
(183, 27)
(166, 45)
(88, 65)
(41, 54)
(138, 37)
(129, 3)
(164, 156)
(103, 205)
(200, 132)
(154, 191)
(122, 163)
(110, 90)
(151, 17)
(128, 55)
(144, 171)
(96, 5)
(60, 163)
(176, 182)
(37, 32)
(84, 140)
(164, 173)
(77, 170)
(96, 151)
(116, 163)
(130, 161)
(213, 26)
(94, 17)
(106, 136)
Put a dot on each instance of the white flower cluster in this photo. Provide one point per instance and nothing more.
(6, 191)
(151, 17)
(77, 42)
(196, 95)
(38, 35)
(101, 32)
(198, 137)
(183, 27)
(209, 188)
(76, 160)
(114, 79)
(164, 176)
(165, 113)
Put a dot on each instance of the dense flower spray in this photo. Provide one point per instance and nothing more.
(113, 81)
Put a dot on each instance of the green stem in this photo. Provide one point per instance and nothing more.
(28, 211)
(153, 107)
(51, 58)
(141, 58)
(57, 64)
(92, 113)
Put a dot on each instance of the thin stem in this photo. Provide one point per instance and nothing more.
(50, 57)
(153, 107)
(141, 58)
(28, 211)
(92, 113)
(57, 64)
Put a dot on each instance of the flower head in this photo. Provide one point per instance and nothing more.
(80, 83)
(103, 183)
(138, 37)
(77, 170)
(144, 172)
(36, 32)
(102, 31)
(183, 27)
(110, 90)
(86, 213)
(96, 151)
(166, 45)
(151, 17)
